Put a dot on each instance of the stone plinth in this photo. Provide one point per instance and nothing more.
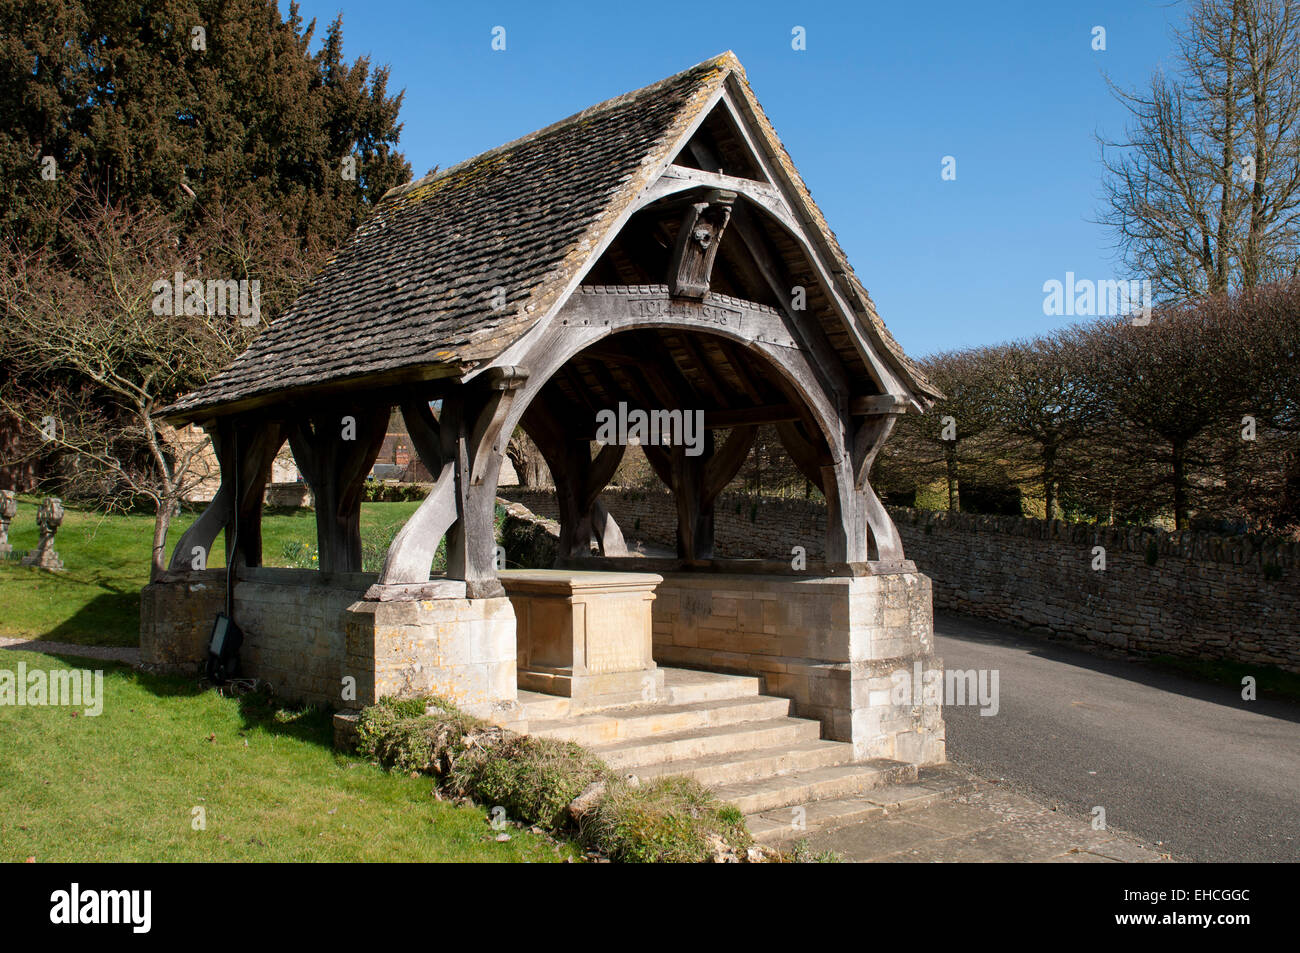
(832, 645)
(585, 634)
(43, 558)
(460, 649)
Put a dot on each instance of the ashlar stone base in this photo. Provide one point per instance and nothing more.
(460, 649)
(836, 646)
(313, 637)
(43, 559)
(832, 645)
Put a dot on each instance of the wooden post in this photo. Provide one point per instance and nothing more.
(694, 511)
(885, 545)
(409, 560)
(263, 443)
(696, 483)
(335, 451)
(579, 479)
(474, 439)
(249, 448)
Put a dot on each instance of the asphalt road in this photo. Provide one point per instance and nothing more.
(1178, 762)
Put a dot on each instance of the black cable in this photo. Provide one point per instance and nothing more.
(234, 538)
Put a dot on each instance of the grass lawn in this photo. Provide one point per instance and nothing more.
(97, 601)
(123, 786)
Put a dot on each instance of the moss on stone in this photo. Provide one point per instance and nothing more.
(668, 820)
(534, 779)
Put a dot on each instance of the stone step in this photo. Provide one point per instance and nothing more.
(622, 724)
(800, 788)
(932, 784)
(540, 707)
(699, 742)
(681, 687)
(738, 767)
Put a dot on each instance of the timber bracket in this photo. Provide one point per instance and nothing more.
(698, 238)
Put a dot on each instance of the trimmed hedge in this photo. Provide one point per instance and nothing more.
(379, 492)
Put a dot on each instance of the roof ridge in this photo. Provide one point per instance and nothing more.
(726, 59)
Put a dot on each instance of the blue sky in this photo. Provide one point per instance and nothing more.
(883, 91)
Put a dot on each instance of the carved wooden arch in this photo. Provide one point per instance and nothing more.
(586, 319)
(768, 201)
(857, 526)
(462, 449)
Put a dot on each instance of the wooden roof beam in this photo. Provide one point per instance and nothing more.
(676, 383)
(695, 351)
(806, 329)
(680, 178)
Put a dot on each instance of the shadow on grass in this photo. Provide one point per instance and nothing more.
(259, 709)
(112, 618)
(168, 686)
(262, 711)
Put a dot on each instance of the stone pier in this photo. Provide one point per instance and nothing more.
(830, 644)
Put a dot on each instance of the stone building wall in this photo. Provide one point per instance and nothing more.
(1190, 594)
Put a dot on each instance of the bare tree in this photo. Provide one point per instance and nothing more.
(1203, 194)
(1258, 447)
(527, 460)
(1173, 379)
(89, 321)
(948, 436)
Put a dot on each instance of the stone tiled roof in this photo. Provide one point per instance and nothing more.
(411, 295)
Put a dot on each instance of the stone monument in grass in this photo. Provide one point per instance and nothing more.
(48, 518)
(8, 510)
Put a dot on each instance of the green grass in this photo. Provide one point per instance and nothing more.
(123, 786)
(97, 600)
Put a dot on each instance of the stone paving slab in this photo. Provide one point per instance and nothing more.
(986, 823)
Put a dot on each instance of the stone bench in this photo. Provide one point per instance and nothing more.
(585, 635)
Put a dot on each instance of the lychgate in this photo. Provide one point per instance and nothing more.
(656, 253)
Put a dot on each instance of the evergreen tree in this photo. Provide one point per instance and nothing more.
(185, 102)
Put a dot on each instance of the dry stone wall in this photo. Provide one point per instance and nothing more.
(766, 528)
(1188, 594)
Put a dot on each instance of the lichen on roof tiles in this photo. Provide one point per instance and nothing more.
(415, 287)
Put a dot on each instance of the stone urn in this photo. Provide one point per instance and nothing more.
(48, 519)
(8, 510)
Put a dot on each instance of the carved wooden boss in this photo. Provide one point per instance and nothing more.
(697, 244)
